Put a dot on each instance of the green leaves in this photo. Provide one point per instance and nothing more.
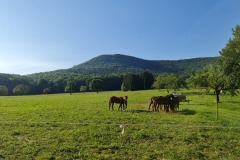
(95, 85)
(230, 60)
(169, 81)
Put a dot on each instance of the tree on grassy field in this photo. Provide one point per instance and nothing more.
(95, 85)
(83, 88)
(21, 89)
(199, 80)
(69, 87)
(123, 87)
(169, 81)
(216, 79)
(230, 61)
(212, 77)
(47, 90)
(3, 91)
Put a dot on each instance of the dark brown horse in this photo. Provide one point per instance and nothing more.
(121, 100)
(171, 103)
(176, 100)
(156, 102)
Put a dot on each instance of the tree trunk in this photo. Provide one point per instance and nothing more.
(217, 95)
(217, 92)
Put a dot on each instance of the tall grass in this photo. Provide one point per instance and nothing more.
(80, 126)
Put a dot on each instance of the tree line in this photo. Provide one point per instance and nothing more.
(25, 85)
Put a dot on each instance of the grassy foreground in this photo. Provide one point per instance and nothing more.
(80, 126)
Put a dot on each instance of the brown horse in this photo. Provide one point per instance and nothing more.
(177, 100)
(121, 100)
(156, 102)
(171, 103)
(151, 102)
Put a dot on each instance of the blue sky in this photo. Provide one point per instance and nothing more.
(45, 35)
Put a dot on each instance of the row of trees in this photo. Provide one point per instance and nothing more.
(128, 82)
(20, 85)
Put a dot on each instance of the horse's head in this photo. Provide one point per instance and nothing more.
(171, 96)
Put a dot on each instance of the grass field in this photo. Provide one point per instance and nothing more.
(80, 126)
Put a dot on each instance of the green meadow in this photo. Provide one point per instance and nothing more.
(80, 126)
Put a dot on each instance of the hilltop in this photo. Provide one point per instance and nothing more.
(117, 63)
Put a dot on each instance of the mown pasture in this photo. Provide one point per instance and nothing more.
(80, 126)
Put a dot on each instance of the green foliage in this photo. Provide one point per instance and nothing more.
(83, 88)
(212, 77)
(123, 87)
(21, 89)
(169, 81)
(47, 90)
(198, 79)
(117, 63)
(81, 127)
(133, 82)
(95, 85)
(3, 91)
(69, 87)
(230, 60)
(148, 79)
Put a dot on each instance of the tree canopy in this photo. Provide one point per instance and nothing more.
(169, 81)
(230, 61)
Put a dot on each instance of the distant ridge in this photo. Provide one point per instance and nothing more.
(121, 64)
(118, 63)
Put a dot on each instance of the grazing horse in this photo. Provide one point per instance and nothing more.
(176, 100)
(152, 102)
(166, 103)
(156, 102)
(121, 100)
(171, 102)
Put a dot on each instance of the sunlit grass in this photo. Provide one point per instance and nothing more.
(80, 126)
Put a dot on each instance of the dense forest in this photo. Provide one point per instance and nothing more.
(105, 72)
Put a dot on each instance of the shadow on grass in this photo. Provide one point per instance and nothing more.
(140, 111)
(187, 112)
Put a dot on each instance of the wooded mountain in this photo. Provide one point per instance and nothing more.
(117, 63)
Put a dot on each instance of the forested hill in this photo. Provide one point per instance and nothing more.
(117, 63)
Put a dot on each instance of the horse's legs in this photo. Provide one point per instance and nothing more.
(120, 106)
(150, 105)
(112, 106)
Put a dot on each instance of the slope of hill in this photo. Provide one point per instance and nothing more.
(107, 64)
